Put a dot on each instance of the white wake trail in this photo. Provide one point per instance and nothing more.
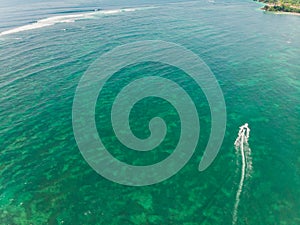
(241, 143)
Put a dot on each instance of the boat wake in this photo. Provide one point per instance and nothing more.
(242, 146)
(68, 19)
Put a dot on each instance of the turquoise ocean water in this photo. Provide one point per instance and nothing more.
(255, 57)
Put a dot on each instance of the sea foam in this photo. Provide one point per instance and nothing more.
(67, 19)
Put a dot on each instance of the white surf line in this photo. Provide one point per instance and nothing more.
(50, 21)
(239, 143)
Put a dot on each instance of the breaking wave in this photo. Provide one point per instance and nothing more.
(50, 21)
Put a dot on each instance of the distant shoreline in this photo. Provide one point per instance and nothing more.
(286, 13)
(280, 8)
